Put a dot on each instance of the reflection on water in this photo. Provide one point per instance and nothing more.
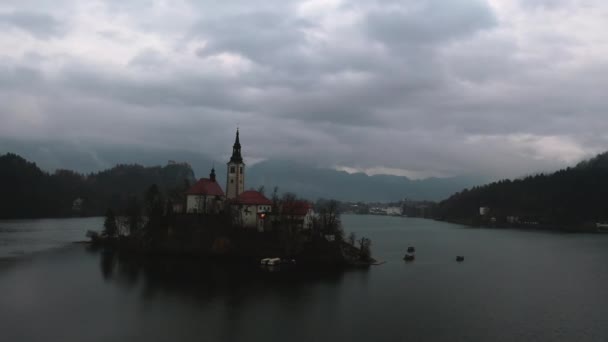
(235, 294)
(512, 286)
(24, 237)
(204, 279)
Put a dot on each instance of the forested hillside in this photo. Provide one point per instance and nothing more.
(28, 192)
(571, 197)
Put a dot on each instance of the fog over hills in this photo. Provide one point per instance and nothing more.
(311, 182)
(305, 180)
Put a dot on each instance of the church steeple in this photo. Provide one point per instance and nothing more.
(236, 150)
(212, 174)
(235, 178)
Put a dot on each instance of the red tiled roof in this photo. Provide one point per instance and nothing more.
(297, 208)
(252, 197)
(207, 187)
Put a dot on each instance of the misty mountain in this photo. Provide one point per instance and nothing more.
(304, 180)
(87, 158)
(313, 183)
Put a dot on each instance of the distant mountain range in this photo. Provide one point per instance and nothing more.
(310, 182)
(304, 180)
(572, 196)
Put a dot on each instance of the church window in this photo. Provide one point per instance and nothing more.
(232, 181)
(241, 170)
(232, 169)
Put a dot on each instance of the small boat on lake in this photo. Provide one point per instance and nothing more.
(270, 261)
(411, 249)
(601, 227)
(409, 257)
(460, 258)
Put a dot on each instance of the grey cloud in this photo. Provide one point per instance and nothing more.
(149, 59)
(259, 36)
(22, 78)
(419, 85)
(429, 22)
(545, 4)
(39, 25)
(180, 91)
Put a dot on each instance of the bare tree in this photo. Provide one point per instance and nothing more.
(329, 219)
(365, 248)
(352, 238)
(288, 227)
(275, 199)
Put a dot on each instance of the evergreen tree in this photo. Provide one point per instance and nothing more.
(133, 214)
(110, 228)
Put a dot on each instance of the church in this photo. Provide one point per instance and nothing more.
(207, 197)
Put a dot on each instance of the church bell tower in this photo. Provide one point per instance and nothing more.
(235, 179)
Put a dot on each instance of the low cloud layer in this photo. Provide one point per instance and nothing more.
(419, 88)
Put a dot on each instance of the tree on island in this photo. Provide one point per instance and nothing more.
(328, 219)
(156, 224)
(153, 203)
(365, 248)
(133, 216)
(289, 231)
(110, 228)
(275, 199)
(352, 238)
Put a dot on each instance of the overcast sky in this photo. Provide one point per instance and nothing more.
(419, 88)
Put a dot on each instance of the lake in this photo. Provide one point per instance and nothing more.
(513, 286)
(24, 237)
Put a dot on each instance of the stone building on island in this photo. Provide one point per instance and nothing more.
(298, 212)
(205, 196)
(250, 208)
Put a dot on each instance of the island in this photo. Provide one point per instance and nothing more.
(235, 224)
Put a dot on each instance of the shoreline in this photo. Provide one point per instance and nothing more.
(302, 261)
(577, 229)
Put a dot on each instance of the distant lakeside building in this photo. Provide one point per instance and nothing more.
(391, 211)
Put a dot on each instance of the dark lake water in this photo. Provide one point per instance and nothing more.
(513, 286)
(24, 237)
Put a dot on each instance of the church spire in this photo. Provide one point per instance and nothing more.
(212, 174)
(236, 150)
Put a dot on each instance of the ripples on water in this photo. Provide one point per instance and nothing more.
(513, 286)
(24, 237)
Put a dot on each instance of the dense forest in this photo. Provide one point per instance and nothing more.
(571, 198)
(29, 192)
